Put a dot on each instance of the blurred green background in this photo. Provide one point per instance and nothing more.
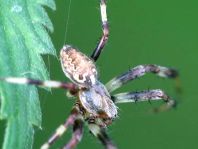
(141, 32)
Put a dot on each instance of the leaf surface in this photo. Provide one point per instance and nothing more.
(23, 39)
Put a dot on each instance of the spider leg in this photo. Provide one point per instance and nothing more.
(77, 133)
(146, 95)
(101, 134)
(138, 72)
(62, 128)
(50, 84)
(105, 28)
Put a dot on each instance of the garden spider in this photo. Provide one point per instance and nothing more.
(95, 104)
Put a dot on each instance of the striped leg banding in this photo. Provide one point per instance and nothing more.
(105, 28)
(138, 72)
(48, 83)
(59, 132)
(146, 95)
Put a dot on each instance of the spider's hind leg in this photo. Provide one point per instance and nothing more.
(105, 28)
(138, 72)
(147, 95)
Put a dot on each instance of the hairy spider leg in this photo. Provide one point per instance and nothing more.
(138, 72)
(105, 27)
(77, 133)
(62, 128)
(101, 134)
(48, 83)
(146, 95)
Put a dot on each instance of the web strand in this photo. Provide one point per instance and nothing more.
(67, 22)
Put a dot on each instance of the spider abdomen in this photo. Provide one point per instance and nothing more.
(78, 67)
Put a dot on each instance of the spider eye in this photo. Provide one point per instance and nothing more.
(78, 67)
(80, 77)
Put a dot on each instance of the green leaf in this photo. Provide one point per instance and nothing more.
(23, 38)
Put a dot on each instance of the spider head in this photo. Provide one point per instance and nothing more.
(79, 68)
(97, 101)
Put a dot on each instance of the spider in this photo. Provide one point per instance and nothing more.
(95, 104)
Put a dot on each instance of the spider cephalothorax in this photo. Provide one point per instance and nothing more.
(95, 104)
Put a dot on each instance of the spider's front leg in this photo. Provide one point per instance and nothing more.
(77, 133)
(146, 95)
(138, 72)
(101, 134)
(75, 119)
(59, 132)
(105, 28)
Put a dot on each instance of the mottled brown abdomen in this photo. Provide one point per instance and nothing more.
(78, 67)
